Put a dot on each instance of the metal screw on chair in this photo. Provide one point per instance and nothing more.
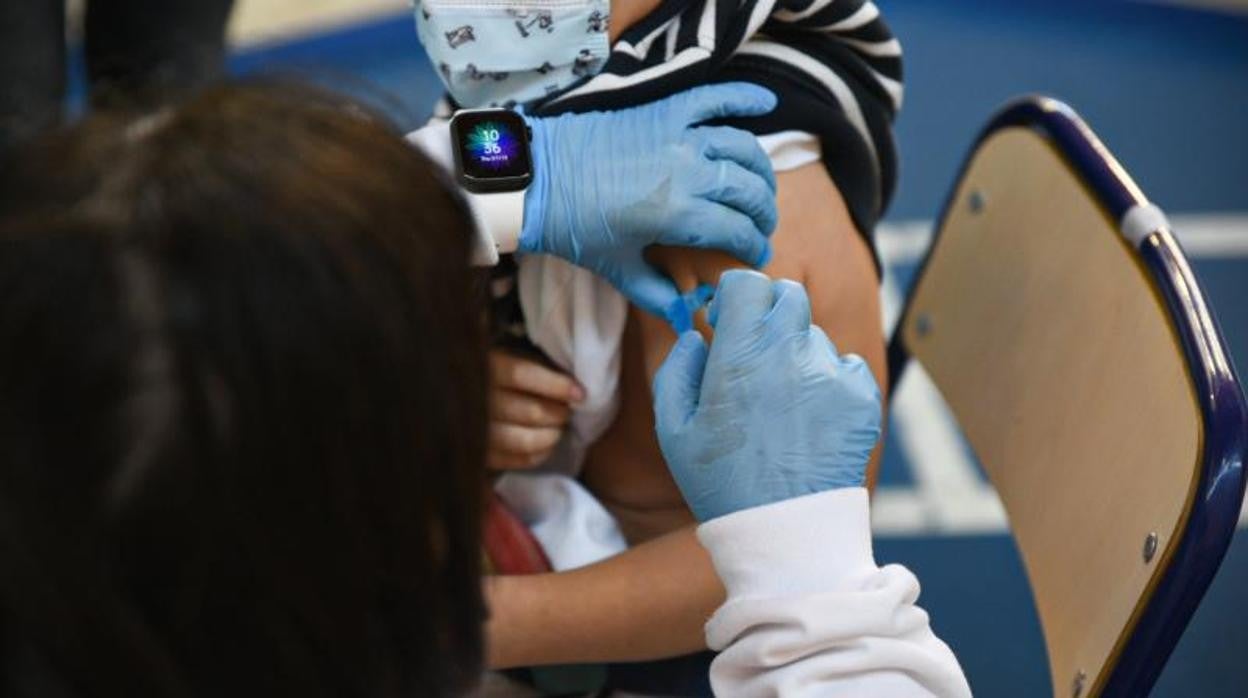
(923, 324)
(1150, 547)
(976, 201)
(1076, 688)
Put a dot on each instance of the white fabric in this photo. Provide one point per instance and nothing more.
(790, 150)
(497, 217)
(571, 525)
(809, 613)
(577, 318)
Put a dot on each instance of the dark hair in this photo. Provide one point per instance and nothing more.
(242, 408)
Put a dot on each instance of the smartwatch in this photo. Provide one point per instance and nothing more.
(491, 148)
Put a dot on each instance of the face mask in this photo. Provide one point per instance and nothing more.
(491, 52)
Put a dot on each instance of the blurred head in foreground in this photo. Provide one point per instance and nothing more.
(242, 408)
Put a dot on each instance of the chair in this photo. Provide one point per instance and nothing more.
(1061, 322)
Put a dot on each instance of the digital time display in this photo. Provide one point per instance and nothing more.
(491, 146)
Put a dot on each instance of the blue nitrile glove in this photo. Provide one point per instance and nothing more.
(771, 412)
(607, 184)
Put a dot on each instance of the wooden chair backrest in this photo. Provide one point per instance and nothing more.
(1039, 325)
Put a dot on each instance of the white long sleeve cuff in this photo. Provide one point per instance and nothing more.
(497, 217)
(810, 614)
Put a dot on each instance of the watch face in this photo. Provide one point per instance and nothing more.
(492, 144)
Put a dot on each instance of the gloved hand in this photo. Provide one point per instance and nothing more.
(771, 412)
(607, 184)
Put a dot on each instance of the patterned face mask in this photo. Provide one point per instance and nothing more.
(495, 52)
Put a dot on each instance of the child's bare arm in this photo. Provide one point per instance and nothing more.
(652, 600)
(816, 243)
(631, 607)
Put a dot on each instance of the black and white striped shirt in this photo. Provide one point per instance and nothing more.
(834, 65)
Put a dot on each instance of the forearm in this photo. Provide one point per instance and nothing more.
(649, 602)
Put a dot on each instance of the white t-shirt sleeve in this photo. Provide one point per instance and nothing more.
(498, 217)
(810, 614)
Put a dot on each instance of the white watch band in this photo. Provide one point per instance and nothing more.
(498, 217)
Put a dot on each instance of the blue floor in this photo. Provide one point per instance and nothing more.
(1166, 89)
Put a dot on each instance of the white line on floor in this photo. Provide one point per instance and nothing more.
(948, 496)
(949, 493)
(1201, 235)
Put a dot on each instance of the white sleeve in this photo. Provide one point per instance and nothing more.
(498, 217)
(810, 614)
